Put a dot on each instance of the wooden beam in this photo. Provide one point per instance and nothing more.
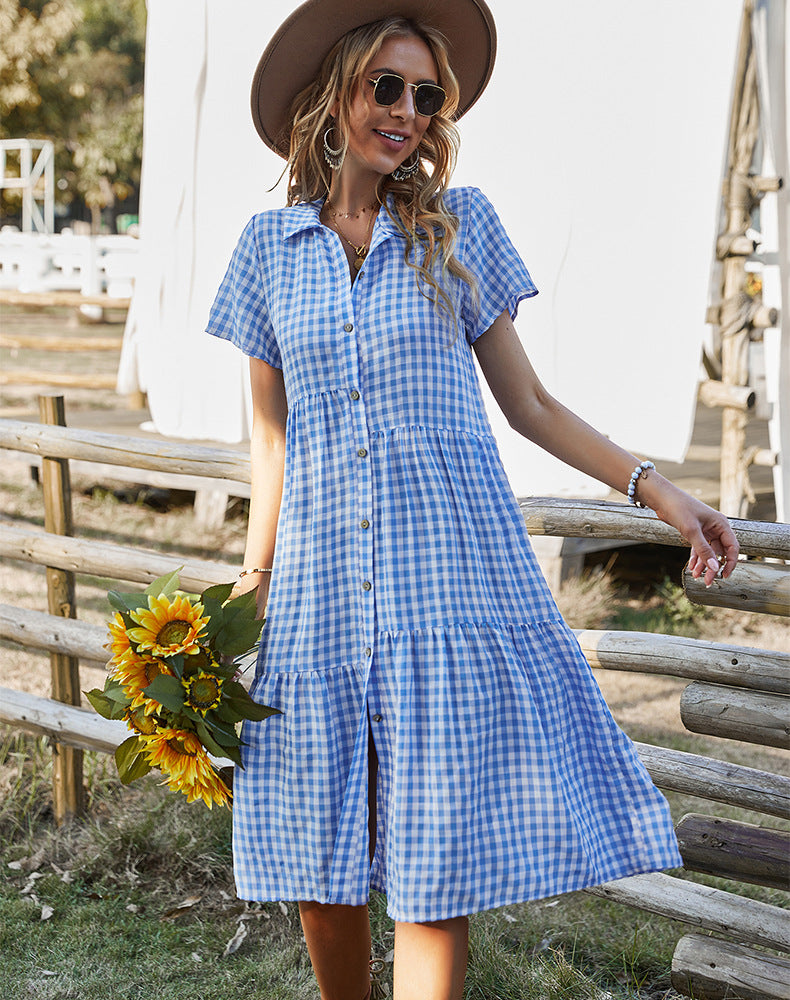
(41, 300)
(116, 562)
(717, 780)
(719, 663)
(746, 920)
(39, 630)
(59, 380)
(24, 342)
(712, 394)
(68, 724)
(731, 849)
(67, 776)
(707, 968)
(116, 449)
(604, 519)
(753, 586)
(735, 714)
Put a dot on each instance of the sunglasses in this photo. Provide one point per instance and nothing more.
(428, 97)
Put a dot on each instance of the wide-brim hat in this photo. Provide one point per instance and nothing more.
(294, 56)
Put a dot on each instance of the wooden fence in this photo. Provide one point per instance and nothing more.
(44, 375)
(735, 692)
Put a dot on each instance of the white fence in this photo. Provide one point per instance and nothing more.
(36, 262)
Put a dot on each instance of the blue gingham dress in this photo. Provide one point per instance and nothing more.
(406, 600)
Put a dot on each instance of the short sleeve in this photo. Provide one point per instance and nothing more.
(502, 278)
(240, 312)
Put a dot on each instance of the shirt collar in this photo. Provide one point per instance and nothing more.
(305, 215)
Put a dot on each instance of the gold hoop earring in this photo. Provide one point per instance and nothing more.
(403, 172)
(334, 157)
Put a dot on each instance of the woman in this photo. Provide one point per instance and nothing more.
(442, 738)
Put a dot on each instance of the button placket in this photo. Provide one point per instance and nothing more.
(364, 498)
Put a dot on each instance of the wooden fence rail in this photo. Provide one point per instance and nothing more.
(735, 691)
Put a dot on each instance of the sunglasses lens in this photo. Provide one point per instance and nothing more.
(428, 99)
(388, 89)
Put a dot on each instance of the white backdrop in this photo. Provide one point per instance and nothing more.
(598, 140)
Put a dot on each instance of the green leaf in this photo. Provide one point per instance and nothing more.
(126, 602)
(168, 691)
(219, 592)
(166, 584)
(103, 705)
(239, 699)
(238, 637)
(126, 760)
(208, 740)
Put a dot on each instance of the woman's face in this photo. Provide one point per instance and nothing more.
(381, 138)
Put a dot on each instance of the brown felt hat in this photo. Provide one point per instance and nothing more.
(294, 56)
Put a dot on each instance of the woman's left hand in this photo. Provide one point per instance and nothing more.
(714, 547)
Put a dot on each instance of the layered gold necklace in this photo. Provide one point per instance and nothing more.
(360, 250)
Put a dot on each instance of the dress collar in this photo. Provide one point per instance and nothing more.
(306, 215)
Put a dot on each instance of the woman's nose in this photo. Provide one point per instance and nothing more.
(404, 106)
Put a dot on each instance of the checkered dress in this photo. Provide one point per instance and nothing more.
(406, 599)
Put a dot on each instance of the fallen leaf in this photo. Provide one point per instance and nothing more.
(46, 972)
(132, 907)
(183, 907)
(46, 912)
(235, 942)
(510, 919)
(65, 874)
(284, 909)
(15, 866)
(196, 957)
(31, 881)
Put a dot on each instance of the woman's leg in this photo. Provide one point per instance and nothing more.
(338, 941)
(430, 959)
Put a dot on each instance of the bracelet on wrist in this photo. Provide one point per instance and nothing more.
(640, 472)
(256, 569)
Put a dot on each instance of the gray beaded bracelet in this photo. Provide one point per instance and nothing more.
(639, 472)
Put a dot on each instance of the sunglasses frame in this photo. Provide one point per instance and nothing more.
(415, 87)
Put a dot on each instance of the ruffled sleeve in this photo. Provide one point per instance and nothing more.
(240, 312)
(502, 278)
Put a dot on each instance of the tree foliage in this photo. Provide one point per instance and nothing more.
(72, 71)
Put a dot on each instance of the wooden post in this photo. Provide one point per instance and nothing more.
(68, 788)
(734, 328)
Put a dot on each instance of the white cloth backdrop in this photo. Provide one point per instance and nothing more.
(599, 141)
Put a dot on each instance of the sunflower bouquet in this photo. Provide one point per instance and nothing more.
(173, 676)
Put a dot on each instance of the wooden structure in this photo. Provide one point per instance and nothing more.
(734, 692)
(738, 318)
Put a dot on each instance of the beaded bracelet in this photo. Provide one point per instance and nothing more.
(257, 569)
(639, 472)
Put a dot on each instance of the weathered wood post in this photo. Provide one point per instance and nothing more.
(68, 788)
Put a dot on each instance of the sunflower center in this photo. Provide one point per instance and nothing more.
(178, 747)
(173, 633)
(141, 722)
(203, 692)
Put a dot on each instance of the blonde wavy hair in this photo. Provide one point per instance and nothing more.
(418, 210)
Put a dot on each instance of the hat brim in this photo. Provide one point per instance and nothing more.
(294, 56)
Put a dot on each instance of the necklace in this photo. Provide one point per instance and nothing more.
(361, 251)
(334, 214)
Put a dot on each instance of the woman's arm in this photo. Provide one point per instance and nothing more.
(536, 415)
(267, 461)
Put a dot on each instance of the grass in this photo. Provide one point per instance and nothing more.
(114, 883)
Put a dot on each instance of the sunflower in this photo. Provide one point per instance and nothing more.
(169, 626)
(204, 691)
(119, 646)
(137, 672)
(182, 757)
(140, 721)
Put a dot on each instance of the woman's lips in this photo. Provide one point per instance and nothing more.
(392, 140)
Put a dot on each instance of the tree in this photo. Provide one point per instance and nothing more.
(80, 84)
